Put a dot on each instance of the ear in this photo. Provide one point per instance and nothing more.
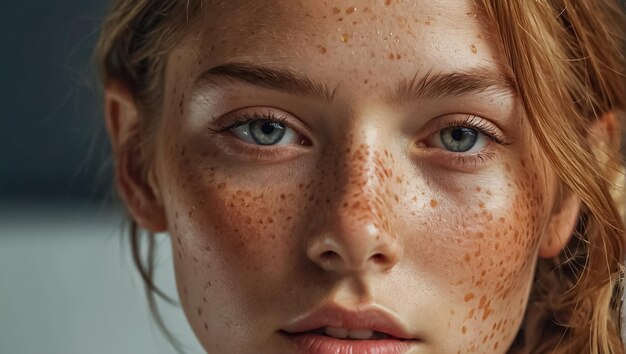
(136, 181)
(604, 135)
(561, 226)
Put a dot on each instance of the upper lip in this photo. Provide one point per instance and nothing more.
(373, 318)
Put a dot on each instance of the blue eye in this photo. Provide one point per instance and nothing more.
(265, 132)
(459, 139)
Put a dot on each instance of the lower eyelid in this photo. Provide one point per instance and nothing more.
(439, 156)
(249, 152)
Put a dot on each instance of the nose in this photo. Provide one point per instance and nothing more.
(358, 228)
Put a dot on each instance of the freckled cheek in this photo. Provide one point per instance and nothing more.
(487, 243)
(247, 227)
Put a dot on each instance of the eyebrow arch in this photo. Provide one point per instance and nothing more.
(266, 78)
(438, 85)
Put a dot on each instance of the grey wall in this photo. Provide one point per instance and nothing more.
(51, 132)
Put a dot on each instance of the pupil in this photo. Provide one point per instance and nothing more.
(267, 128)
(457, 134)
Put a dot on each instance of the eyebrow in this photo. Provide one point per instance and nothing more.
(455, 84)
(430, 85)
(266, 78)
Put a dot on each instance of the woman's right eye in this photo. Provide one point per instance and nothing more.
(263, 129)
(265, 132)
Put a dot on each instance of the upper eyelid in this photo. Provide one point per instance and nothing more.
(235, 120)
(286, 117)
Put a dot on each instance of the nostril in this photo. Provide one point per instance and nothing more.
(328, 255)
(379, 258)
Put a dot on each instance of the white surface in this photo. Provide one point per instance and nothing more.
(68, 286)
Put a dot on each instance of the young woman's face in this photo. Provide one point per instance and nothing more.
(329, 169)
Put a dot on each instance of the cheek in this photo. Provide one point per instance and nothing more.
(490, 254)
(233, 227)
(232, 241)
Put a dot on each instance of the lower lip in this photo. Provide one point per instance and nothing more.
(310, 343)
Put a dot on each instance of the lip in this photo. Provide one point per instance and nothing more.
(373, 318)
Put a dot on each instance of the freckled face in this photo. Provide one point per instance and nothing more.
(371, 182)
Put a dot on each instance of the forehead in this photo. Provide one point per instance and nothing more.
(339, 41)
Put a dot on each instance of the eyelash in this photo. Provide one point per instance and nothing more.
(247, 118)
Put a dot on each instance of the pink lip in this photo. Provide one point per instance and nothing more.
(300, 332)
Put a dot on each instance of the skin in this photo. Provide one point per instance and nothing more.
(372, 209)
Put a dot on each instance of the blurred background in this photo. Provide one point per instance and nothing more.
(67, 282)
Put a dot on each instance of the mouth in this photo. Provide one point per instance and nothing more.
(338, 331)
(350, 334)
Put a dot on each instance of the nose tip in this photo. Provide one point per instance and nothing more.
(370, 250)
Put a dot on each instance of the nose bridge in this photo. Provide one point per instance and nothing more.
(359, 233)
(364, 198)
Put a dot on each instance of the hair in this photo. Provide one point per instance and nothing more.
(567, 60)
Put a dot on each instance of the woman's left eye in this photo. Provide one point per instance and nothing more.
(265, 132)
(461, 139)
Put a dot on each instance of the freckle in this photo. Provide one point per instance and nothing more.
(365, 81)
(523, 163)
(336, 10)
(466, 258)
(473, 48)
(398, 56)
(433, 203)
(468, 296)
(482, 302)
(322, 49)
(464, 330)
(391, 56)
(199, 311)
(387, 2)
(206, 326)
(345, 37)
(350, 10)
(481, 204)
